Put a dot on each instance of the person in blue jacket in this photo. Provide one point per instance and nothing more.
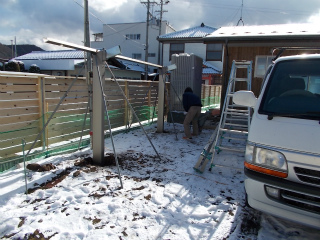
(192, 105)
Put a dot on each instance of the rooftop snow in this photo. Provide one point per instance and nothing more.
(194, 32)
(51, 55)
(210, 69)
(281, 30)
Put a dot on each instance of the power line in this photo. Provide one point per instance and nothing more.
(116, 32)
(240, 20)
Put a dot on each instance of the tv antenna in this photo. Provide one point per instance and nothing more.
(240, 20)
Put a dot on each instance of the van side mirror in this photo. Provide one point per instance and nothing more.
(244, 98)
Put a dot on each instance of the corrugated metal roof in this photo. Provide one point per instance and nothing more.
(132, 66)
(265, 31)
(194, 32)
(210, 69)
(51, 55)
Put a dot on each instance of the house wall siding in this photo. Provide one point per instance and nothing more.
(249, 51)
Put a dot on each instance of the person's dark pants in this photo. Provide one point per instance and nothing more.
(192, 116)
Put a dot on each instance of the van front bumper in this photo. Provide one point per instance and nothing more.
(296, 202)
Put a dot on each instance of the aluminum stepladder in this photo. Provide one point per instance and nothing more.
(235, 120)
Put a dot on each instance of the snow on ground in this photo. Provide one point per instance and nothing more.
(160, 199)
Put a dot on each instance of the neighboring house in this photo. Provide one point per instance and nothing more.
(210, 74)
(132, 39)
(70, 62)
(190, 41)
(56, 63)
(256, 44)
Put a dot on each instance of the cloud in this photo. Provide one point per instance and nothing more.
(185, 14)
(103, 5)
(63, 19)
(315, 18)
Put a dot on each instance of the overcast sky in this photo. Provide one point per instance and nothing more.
(30, 21)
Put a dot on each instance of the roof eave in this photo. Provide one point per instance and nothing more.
(258, 38)
(195, 39)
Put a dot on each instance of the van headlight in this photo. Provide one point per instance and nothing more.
(266, 161)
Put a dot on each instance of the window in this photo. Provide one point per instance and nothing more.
(132, 36)
(151, 55)
(98, 37)
(137, 56)
(176, 48)
(261, 65)
(214, 52)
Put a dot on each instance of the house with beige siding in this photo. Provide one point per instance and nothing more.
(260, 45)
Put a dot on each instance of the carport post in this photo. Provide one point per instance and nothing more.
(97, 107)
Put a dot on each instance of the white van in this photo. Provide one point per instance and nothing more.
(282, 159)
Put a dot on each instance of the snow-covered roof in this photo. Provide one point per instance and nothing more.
(51, 55)
(194, 32)
(132, 65)
(265, 31)
(71, 54)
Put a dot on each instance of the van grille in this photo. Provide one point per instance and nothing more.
(302, 201)
(308, 175)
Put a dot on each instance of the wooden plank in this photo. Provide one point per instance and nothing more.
(19, 103)
(66, 82)
(17, 119)
(68, 112)
(69, 78)
(28, 135)
(17, 126)
(64, 88)
(55, 101)
(18, 96)
(67, 137)
(70, 95)
(18, 111)
(65, 129)
(69, 107)
(69, 118)
(18, 80)
(18, 88)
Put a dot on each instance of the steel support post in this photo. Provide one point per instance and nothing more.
(98, 108)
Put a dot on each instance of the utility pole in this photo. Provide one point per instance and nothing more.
(147, 41)
(147, 36)
(87, 33)
(12, 49)
(160, 26)
(15, 46)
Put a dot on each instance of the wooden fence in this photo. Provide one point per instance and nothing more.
(28, 101)
(210, 96)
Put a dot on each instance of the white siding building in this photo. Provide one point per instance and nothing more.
(191, 41)
(132, 39)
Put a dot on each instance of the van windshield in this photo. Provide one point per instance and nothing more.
(293, 90)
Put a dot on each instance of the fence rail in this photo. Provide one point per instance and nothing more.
(28, 101)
